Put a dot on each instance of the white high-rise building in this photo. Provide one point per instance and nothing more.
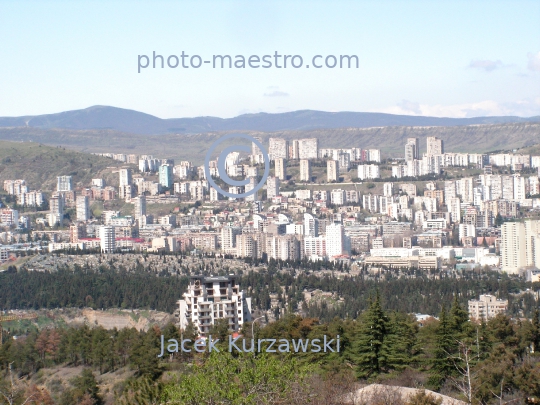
(107, 238)
(305, 170)
(125, 178)
(280, 168)
(278, 148)
(64, 183)
(412, 149)
(311, 225)
(228, 238)
(211, 298)
(140, 207)
(388, 189)
(308, 148)
(83, 213)
(368, 172)
(56, 205)
(518, 245)
(332, 170)
(272, 187)
(335, 238)
(344, 159)
(435, 146)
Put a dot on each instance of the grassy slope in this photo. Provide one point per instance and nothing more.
(391, 140)
(39, 165)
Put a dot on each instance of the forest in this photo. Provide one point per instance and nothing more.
(486, 363)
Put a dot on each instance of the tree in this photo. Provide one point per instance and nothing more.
(423, 398)
(442, 365)
(370, 357)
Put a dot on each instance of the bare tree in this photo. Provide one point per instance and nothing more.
(15, 389)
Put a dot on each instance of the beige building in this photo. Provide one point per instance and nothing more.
(281, 168)
(519, 245)
(487, 307)
(332, 170)
(435, 146)
(305, 170)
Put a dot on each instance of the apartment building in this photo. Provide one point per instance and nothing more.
(305, 170)
(486, 307)
(209, 299)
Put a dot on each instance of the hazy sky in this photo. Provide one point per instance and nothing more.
(441, 58)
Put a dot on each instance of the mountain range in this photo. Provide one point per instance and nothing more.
(135, 122)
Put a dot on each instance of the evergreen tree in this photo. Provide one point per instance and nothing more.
(458, 320)
(370, 356)
(442, 365)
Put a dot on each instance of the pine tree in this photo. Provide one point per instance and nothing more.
(370, 355)
(459, 320)
(400, 345)
(442, 365)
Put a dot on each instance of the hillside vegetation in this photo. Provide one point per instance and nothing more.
(40, 164)
(391, 140)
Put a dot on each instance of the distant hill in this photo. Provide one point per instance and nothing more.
(119, 119)
(193, 147)
(39, 165)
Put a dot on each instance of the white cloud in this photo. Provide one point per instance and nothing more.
(487, 65)
(521, 108)
(534, 61)
(276, 93)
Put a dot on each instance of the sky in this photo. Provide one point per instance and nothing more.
(438, 58)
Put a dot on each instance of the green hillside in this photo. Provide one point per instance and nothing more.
(40, 164)
(391, 140)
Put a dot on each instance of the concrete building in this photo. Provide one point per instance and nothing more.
(82, 206)
(366, 172)
(64, 183)
(308, 148)
(107, 238)
(125, 178)
(272, 187)
(412, 149)
(281, 168)
(335, 240)
(332, 170)
(246, 246)
(518, 245)
(140, 207)
(311, 225)
(278, 148)
(486, 307)
(166, 175)
(211, 298)
(305, 170)
(435, 146)
(228, 239)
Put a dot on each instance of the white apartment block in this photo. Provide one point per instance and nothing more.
(305, 170)
(30, 199)
(335, 240)
(280, 168)
(519, 248)
(308, 148)
(366, 172)
(278, 148)
(64, 183)
(82, 207)
(125, 178)
(211, 298)
(272, 187)
(487, 307)
(15, 187)
(388, 189)
(315, 247)
(332, 170)
(338, 197)
(434, 146)
(107, 238)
